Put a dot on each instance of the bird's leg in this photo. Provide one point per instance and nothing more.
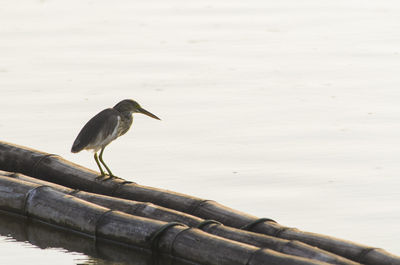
(104, 164)
(98, 164)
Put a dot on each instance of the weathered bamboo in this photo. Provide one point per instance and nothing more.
(54, 207)
(152, 211)
(56, 169)
(45, 236)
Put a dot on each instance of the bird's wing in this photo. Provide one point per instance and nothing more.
(98, 131)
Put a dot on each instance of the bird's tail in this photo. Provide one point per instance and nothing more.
(76, 147)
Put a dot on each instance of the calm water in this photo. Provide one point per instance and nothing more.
(285, 110)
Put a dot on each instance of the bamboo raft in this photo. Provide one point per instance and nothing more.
(45, 236)
(50, 189)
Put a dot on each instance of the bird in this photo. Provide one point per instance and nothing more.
(105, 127)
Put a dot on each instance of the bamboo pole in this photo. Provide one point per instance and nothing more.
(48, 205)
(56, 169)
(152, 211)
(45, 236)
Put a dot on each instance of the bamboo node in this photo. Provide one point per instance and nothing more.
(13, 175)
(98, 222)
(37, 163)
(253, 254)
(193, 208)
(74, 192)
(171, 250)
(207, 222)
(117, 187)
(364, 253)
(249, 226)
(280, 231)
(155, 237)
(28, 197)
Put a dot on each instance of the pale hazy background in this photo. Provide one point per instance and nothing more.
(288, 110)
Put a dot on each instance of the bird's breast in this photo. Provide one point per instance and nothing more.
(124, 124)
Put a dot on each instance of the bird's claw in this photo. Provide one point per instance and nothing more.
(100, 177)
(105, 177)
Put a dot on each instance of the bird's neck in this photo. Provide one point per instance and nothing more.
(126, 115)
(126, 122)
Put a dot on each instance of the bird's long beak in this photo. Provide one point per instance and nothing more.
(148, 113)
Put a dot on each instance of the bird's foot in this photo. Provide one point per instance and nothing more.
(100, 177)
(104, 177)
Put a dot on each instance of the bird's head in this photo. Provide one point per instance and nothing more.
(131, 106)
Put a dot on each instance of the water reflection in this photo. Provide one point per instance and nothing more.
(17, 228)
